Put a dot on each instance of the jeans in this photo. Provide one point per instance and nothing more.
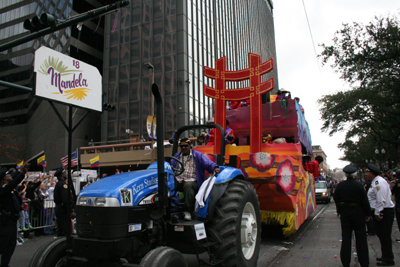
(24, 219)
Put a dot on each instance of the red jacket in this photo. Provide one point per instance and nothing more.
(210, 136)
(235, 104)
(313, 167)
(238, 104)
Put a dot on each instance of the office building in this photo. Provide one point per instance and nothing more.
(173, 40)
(169, 41)
(30, 122)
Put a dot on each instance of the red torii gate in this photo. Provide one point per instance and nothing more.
(221, 75)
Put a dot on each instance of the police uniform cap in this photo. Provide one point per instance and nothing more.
(349, 169)
(185, 140)
(3, 173)
(59, 171)
(372, 168)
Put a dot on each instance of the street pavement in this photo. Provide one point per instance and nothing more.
(24, 253)
(317, 243)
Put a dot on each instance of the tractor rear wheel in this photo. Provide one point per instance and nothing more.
(51, 255)
(163, 257)
(236, 226)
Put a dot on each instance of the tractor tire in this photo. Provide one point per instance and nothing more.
(53, 254)
(236, 226)
(163, 257)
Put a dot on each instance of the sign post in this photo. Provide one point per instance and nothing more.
(63, 79)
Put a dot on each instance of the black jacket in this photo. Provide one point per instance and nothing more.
(351, 192)
(396, 192)
(61, 192)
(10, 203)
(30, 190)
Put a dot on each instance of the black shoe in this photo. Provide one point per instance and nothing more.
(385, 263)
(378, 259)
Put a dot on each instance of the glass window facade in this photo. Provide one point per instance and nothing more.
(152, 40)
(178, 38)
(16, 64)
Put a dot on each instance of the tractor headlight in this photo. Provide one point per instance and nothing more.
(107, 202)
(98, 201)
(82, 201)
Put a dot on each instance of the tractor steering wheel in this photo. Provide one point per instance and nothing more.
(178, 170)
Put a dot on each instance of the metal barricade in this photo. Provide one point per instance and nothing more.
(41, 216)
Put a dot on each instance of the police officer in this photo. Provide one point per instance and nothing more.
(379, 196)
(61, 192)
(10, 206)
(352, 204)
(396, 193)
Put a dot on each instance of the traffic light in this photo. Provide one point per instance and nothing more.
(37, 24)
(108, 107)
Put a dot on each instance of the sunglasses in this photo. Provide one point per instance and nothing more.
(184, 145)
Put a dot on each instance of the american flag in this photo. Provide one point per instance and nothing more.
(74, 160)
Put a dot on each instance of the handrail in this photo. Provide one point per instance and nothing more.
(147, 143)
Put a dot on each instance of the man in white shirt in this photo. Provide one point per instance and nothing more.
(379, 196)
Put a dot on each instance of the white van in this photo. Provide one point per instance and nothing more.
(322, 192)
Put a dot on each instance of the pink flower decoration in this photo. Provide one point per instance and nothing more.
(285, 177)
(262, 161)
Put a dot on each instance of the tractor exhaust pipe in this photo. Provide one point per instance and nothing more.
(162, 178)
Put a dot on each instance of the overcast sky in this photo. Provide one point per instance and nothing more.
(298, 70)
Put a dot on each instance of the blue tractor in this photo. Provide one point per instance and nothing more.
(133, 218)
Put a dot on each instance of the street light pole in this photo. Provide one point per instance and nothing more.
(379, 158)
(380, 154)
(382, 158)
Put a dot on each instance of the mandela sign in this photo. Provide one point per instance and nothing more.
(64, 79)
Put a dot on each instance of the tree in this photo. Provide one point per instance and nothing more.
(8, 148)
(368, 58)
(358, 152)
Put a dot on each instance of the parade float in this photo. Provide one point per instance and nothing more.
(285, 189)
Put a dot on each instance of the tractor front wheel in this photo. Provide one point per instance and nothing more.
(52, 255)
(163, 257)
(236, 226)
